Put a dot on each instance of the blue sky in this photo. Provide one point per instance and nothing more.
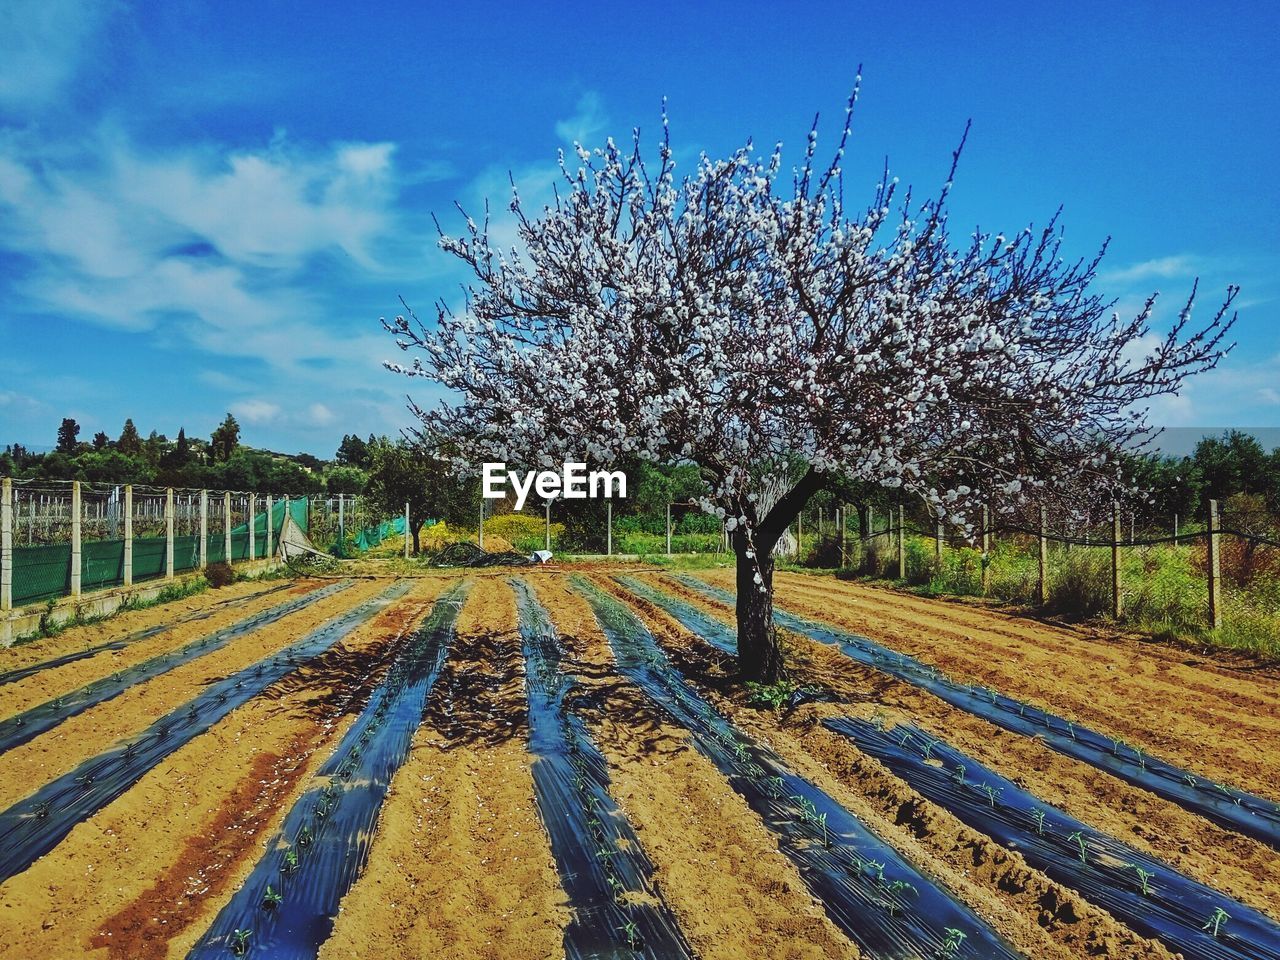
(207, 206)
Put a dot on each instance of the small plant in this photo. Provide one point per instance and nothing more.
(632, 934)
(1144, 878)
(775, 696)
(240, 942)
(876, 869)
(1071, 729)
(290, 863)
(1189, 780)
(615, 887)
(821, 822)
(1038, 816)
(952, 942)
(992, 793)
(775, 787)
(958, 773)
(272, 898)
(927, 749)
(304, 836)
(1142, 759)
(1082, 846)
(1216, 920)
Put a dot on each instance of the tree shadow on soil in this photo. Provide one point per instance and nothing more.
(479, 698)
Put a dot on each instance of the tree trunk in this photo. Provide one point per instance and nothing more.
(759, 655)
(417, 529)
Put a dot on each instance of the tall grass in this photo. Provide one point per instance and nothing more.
(1164, 588)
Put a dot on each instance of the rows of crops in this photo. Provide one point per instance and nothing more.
(548, 765)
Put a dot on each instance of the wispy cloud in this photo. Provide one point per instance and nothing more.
(1160, 268)
(42, 43)
(587, 123)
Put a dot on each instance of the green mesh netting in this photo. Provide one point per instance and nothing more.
(148, 558)
(101, 564)
(41, 572)
(370, 537)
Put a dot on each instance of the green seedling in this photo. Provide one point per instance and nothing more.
(821, 822)
(1189, 780)
(240, 942)
(272, 898)
(632, 934)
(304, 836)
(615, 887)
(904, 737)
(992, 793)
(605, 853)
(1038, 816)
(927, 749)
(952, 943)
(290, 864)
(1216, 920)
(1082, 845)
(596, 827)
(1144, 878)
(958, 773)
(1116, 744)
(1142, 760)
(876, 869)
(1071, 729)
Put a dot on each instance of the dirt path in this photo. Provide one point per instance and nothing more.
(717, 866)
(1236, 865)
(55, 681)
(143, 877)
(461, 867)
(89, 733)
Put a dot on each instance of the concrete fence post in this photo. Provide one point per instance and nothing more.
(902, 543)
(799, 535)
(937, 543)
(866, 548)
(842, 518)
(608, 513)
(1043, 590)
(271, 534)
(1117, 598)
(226, 526)
(1175, 529)
(1215, 569)
(480, 529)
(204, 529)
(168, 533)
(253, 522)
(342, 525)
(6, 544)
(77, 555)
(128, 535)
(986, 549)
(408, 533)
(668, 526)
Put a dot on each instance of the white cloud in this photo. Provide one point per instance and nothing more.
(587, 122)
(1160, 268)
(256, 412)
(41, 47)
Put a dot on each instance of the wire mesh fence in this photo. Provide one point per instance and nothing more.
(67, 538)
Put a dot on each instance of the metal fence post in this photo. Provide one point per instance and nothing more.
(77, 556)
(226, 526)
(902, 543)
(1215, 569)
(1044, 561)
(1117, 598)
(668, 528)
(608, 511)
(168, 533)
(986, 549)
(271, 536)
(128, 535)
(6, 544)
(204, 529)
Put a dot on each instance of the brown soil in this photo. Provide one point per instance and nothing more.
(461, 866)
(55, 681)
(71, 742)
(146, 874)
(1243, 868)
(734, 893)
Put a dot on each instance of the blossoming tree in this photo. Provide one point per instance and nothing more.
(747, 321)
